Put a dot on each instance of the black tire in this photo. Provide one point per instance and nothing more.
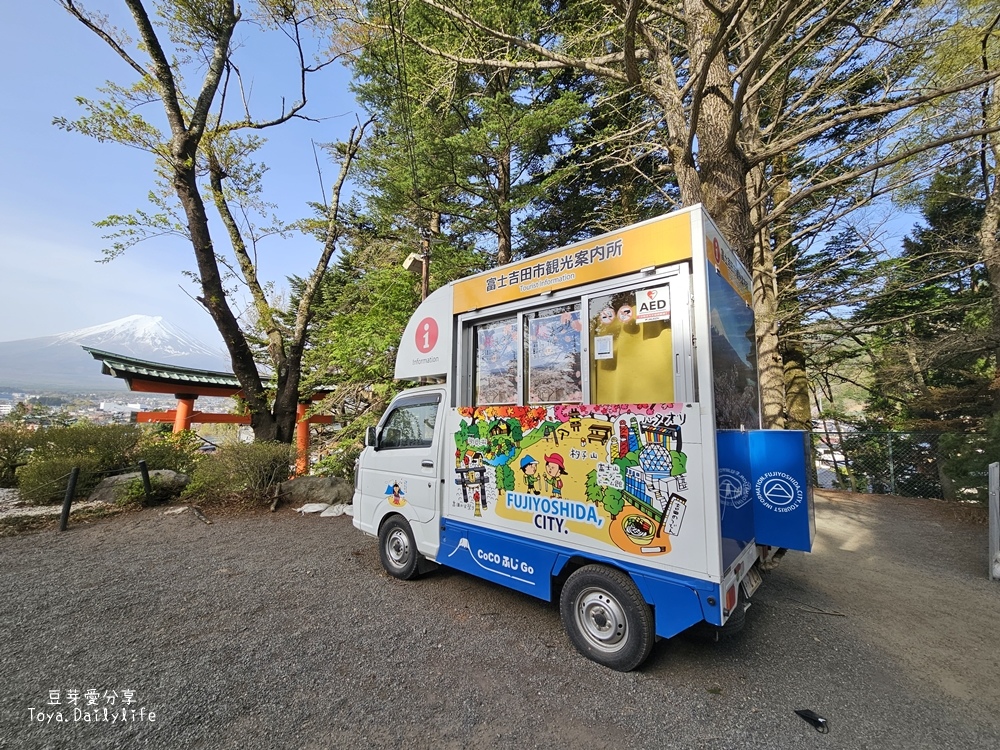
(738, 617)
(397, 549)
(606, 617)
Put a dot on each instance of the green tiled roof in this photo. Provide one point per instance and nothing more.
(120, 366)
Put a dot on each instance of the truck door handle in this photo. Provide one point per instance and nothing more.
(427, 464)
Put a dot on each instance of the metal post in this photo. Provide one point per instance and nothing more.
(892, 470)
(70, 494)
(994, 560)
(146, 486)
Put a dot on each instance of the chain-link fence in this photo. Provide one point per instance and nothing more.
(911, 464)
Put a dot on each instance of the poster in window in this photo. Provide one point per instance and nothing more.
(496, 362)
(554, 359)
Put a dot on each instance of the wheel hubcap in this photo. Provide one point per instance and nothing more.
(601, 619)
(398, 548)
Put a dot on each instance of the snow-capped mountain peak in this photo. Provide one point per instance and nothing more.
(138, 336)
(60, 361)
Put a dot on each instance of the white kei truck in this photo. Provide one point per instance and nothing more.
(592, 432)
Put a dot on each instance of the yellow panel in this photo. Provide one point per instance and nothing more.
(652, 243)
(640, 370)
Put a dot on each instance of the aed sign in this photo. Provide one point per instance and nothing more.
(652, 304)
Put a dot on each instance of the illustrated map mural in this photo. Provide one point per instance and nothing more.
(615, 473)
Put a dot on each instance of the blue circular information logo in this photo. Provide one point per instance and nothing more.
(779, 492)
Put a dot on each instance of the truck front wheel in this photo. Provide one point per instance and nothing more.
(606, 617)
(397, 549)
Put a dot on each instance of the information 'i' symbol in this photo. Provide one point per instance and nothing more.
(427, 334)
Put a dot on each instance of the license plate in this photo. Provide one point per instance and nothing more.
(751, 582)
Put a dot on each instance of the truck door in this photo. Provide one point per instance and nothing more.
(408, 453)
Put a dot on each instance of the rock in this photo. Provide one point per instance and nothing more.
(166, 485)
(328, 490)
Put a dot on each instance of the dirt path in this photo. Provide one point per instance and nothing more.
(281, 630)
(912, 576)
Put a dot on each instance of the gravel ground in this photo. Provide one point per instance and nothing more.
(11, 506)
(282, 631)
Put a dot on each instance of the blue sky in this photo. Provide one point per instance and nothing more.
(56, 184)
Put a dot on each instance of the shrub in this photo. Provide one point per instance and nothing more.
(111, 446)
(15, 446)
(99, 451)
(241, 472)
(175, 451)
(133, 492)
(43, 481)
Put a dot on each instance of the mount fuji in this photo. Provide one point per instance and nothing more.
(59, 362)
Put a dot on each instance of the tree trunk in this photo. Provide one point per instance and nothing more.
(989, 242)
(720, 180)
(214, 296)
(798, 410)
(505, 245)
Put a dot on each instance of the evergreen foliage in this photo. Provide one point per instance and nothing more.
(930, 342)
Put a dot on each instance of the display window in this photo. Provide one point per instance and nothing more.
(496, 365)
(631, 346)
(617, 347)
(552, 341)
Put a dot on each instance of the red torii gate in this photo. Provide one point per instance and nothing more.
(186, 385)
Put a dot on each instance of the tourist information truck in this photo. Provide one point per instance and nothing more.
(591, 431)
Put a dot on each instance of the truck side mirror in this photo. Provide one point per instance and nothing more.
(370, 438)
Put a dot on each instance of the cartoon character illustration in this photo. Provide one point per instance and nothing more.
(554, 469)
(529, 467)
(396, 495)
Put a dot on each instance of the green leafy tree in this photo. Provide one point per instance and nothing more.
(613, 501)
(505, 478)
(592, 488)
(203, 142)
(764, 113)
(930, 339)
(458, 149)
(366, 305)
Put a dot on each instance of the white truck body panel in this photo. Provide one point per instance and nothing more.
(586, 394)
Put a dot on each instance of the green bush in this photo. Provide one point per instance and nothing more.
(99, 451)
(43, 481)
(16, 442)
(133, 492)
(175, 451)
(111, 446)
(241, 472)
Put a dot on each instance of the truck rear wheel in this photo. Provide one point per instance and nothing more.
(397, 549)
(606, 617)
